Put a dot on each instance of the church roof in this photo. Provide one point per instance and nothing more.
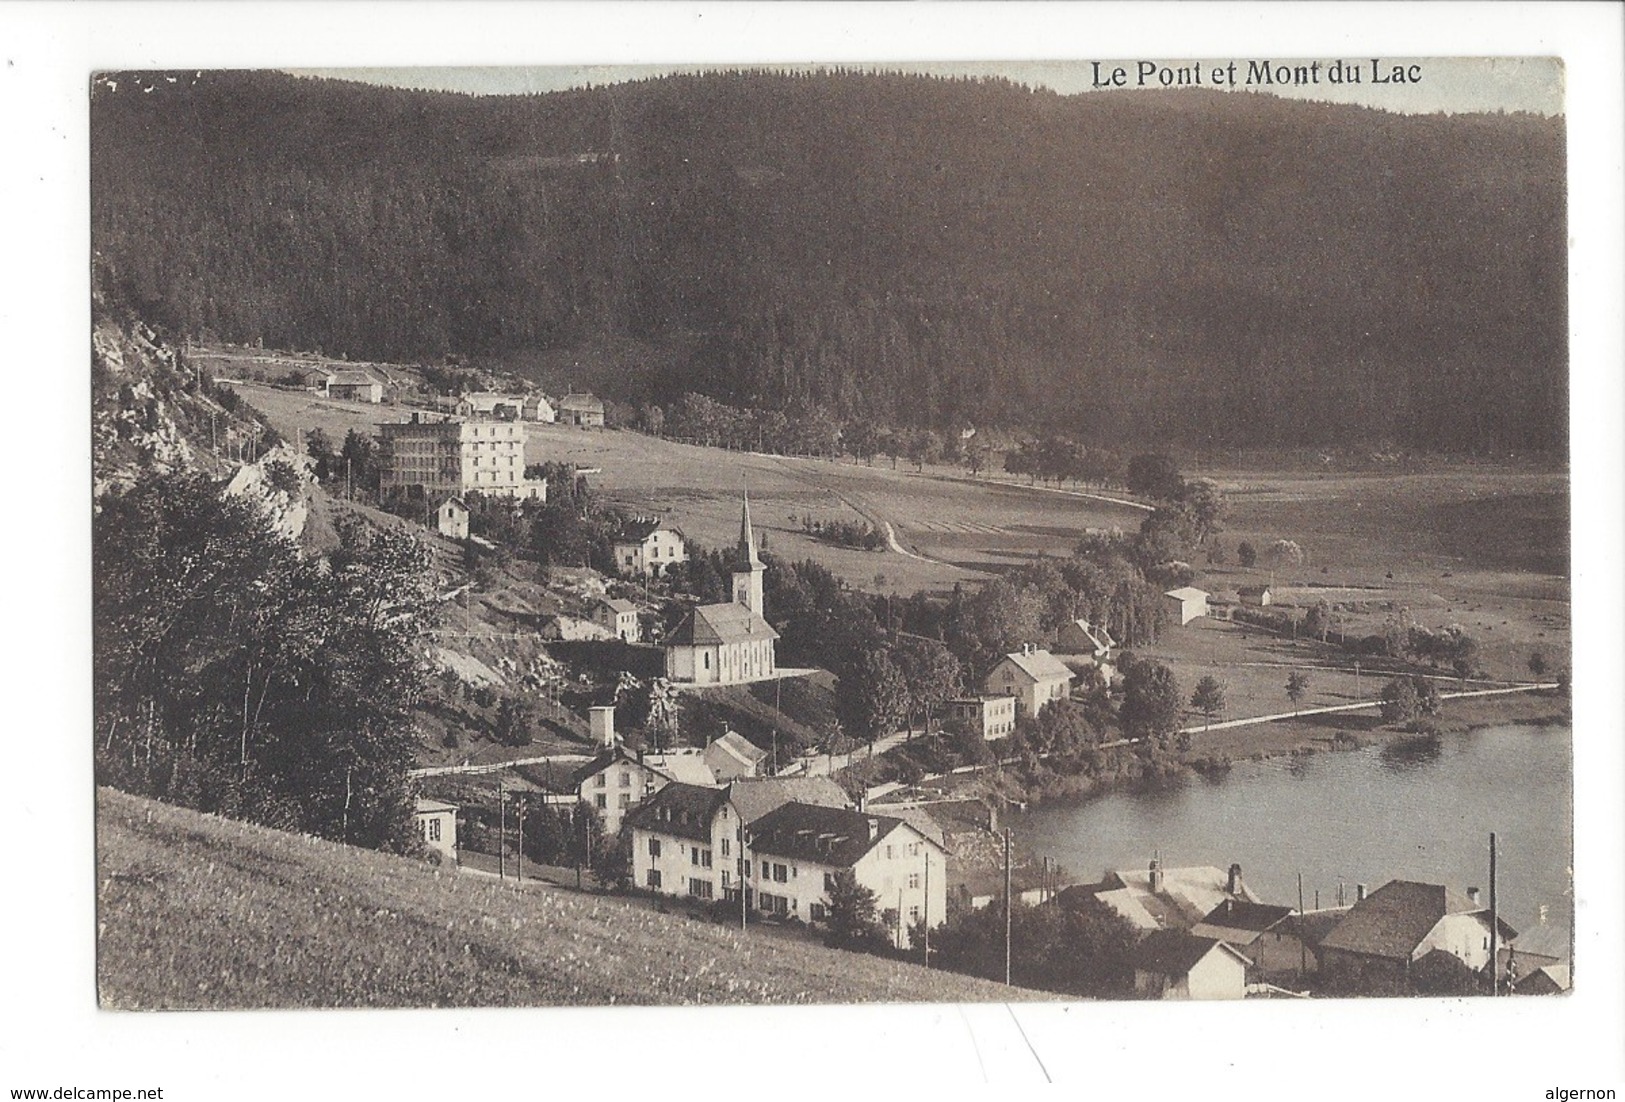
(712, 625)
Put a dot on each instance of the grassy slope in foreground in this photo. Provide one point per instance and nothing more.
(206, 913)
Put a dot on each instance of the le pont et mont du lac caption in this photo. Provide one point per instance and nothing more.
(1251, 74)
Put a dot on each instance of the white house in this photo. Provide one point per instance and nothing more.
(619, 617)
(451, 519)
(733, 755)
(616, 781)
(649, 550)
(992, 717)
(1258, 596)
(1172, 964)
(1034, 676)
(1403, 921)
(1185, 603)
(794, 854)
(727, 643)
(581, 409)
(689, 840)
(437, 825)
(357, 386)
(1171, 899)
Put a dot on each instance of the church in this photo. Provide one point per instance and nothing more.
(726, 644)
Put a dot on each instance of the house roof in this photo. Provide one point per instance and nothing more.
(1175, 953)
(603, 760)
(424, 806)
(922, 821)
(639, 530)
(754, 797)
(457, 501)
(1241, 914)
(1392, 921)
(1312, 927)
(616, 604)
(683, 810)
(710, 625)
(1187, 895)
(1187, 593)
(827, 835)
(740, 748)
(1099, 636)
(1252, 590)
(585, 403)
(353, 378)
(686, 766)
(1040, 665)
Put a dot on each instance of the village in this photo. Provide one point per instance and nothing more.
(701, 818)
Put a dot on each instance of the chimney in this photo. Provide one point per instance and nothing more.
(601, 720)
(1472, 896)
(874, 829)
(1359, 892)
(1233, 885)
(1156, 875)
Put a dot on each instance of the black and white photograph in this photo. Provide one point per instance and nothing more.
(1055, 536)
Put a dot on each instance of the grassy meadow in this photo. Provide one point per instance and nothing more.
(196, 912)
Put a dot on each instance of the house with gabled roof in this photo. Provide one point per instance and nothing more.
(436, 822)
(689, 840)
(1032, 675)
(619, 617)
(1262, 931)
(1158, 898)
(357, 386)
(725, 644)
(732, 755)
(1174, 964)
(1185, 604)
(648, 548)
(451, 519)
(795, 854)
(1405, 920)
(1082, 637)
(581, 409)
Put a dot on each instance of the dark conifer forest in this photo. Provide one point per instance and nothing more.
(1191, 267)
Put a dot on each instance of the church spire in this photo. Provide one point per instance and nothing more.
(748, 559)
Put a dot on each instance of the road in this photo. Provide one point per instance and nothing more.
(1250, 720)
(822, 765)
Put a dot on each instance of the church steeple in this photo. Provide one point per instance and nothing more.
(747, 558)
(748, 567)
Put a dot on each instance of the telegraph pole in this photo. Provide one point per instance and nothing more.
(1303, 952)
(925, 910)
(1495, 927)
(502, 833)
(519, 858)
(1007, 906)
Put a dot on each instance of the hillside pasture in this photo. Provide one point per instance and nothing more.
(197, 912)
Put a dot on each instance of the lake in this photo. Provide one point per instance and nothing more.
(1357, 817)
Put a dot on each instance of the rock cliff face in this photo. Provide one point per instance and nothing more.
(152, 410)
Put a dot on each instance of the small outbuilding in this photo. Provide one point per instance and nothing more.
(451, 519)
(1186, 603)
(1255, 596)
(618, 616)
(437, 826)
(1172, 964)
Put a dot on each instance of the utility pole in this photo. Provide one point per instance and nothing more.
(1495, 927)
(743, 910)
(502, 833)
(925, 910)
(519, 858)
(1007, 906)
(1303, 952)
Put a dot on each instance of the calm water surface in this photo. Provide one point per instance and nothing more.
(1360, 817)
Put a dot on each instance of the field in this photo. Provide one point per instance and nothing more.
(1483, 546)
(197, 912)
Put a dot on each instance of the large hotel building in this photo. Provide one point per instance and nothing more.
(444, 455)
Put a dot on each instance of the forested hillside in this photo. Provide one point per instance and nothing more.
(911, 250)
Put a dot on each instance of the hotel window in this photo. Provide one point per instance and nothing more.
(780, 873)
(600, 802)
(654, 847)
(626, 779)
(913, 915)
(699, 888)
(654, 878)
(726, 850)
(626, 799)
(913, 880)
(599, 781)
